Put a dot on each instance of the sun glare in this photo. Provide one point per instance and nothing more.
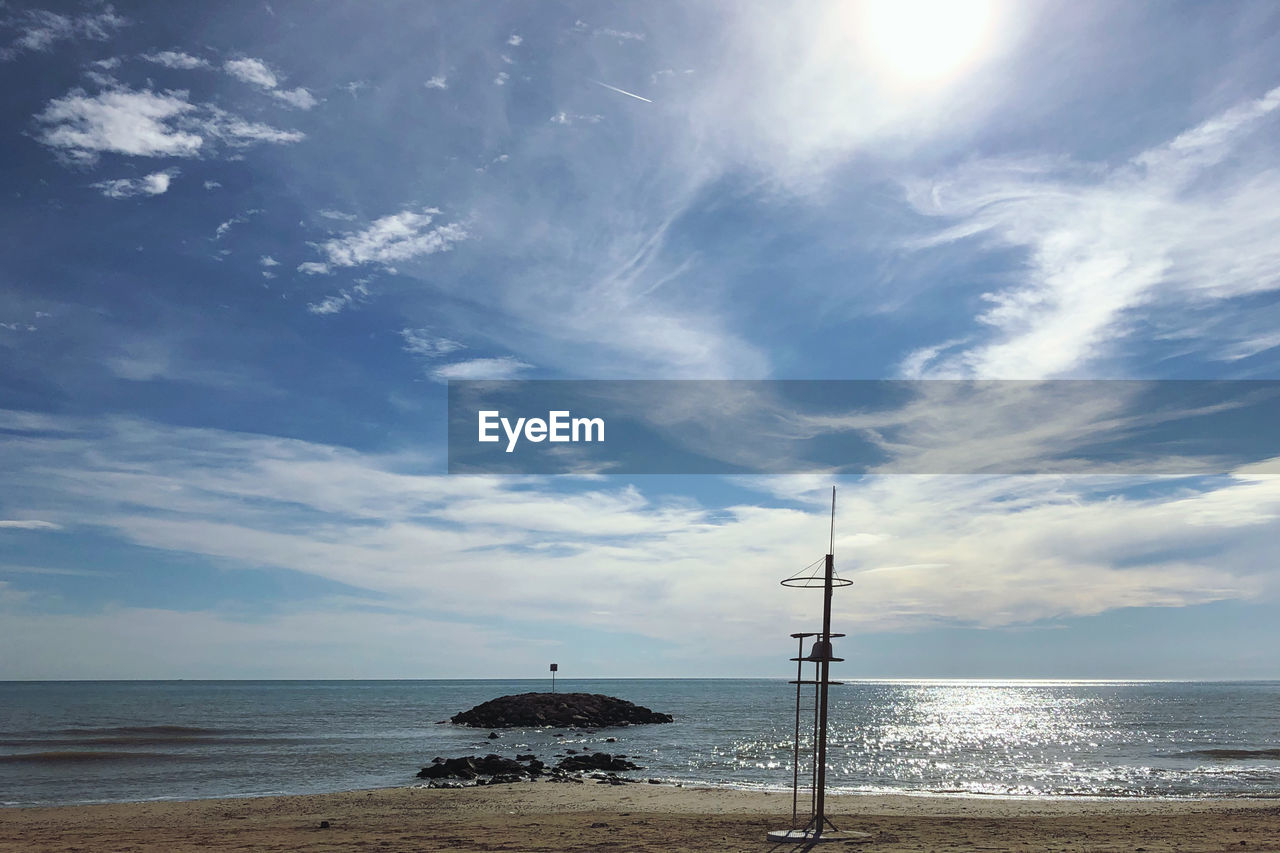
(925, 41)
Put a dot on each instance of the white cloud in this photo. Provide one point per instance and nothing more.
(224, 228)
(1181, 225)
(268, 261)
(620, 35)
(252, 71)
(504, 367)
(139, 124)
(396, 238)
(422, 342)
(27, 524)
(239, 133)
(299, 97)
(257, 73)
(154, 184)
(313, 268)
(176, 59)
(330, 304)
(501, 79)
(573, 118)
(339, 215)
(104, 81)
(344, 299)
(212, 185)
(144, 124)
(38, 30)
(437, 82)
(515, 40)
(606, 555)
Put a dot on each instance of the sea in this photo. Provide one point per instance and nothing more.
(85, 742)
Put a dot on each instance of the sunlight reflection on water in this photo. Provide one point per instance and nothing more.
(1037, 738)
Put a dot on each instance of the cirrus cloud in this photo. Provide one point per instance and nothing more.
(392, 239)
(503, 367)
(1177, 230)
(39, 30)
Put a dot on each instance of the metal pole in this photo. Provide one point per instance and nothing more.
(813, 748)
(820, 817)
(795, 758)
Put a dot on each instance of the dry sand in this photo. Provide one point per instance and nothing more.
(563, 817)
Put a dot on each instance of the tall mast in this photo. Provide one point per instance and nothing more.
(819, 827)
(824, 677)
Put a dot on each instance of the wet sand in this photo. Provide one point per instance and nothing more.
(567, 817)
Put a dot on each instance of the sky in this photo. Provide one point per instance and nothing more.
(246, 247)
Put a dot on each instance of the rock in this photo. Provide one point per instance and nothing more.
(494, 769)
(595, 761)
(529, 757)
(568, 710)
(494, 735)
(611, 740)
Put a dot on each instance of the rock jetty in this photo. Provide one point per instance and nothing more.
(565, 710)
(495, 770)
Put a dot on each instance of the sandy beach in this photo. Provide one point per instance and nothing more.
(640, 817)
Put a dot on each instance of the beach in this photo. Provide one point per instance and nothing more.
(542, 816)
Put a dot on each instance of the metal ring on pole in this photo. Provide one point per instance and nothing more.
(815, 583)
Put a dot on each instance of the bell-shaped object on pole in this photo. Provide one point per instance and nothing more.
(821, 651)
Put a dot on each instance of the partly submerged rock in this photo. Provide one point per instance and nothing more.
(596, 761)
(583, 710)
(475, 767)
(494, 769)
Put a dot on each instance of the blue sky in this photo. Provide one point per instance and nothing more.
(245, 247)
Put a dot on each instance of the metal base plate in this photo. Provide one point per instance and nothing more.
(806, 836)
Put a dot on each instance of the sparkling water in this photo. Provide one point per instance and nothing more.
(69, 742)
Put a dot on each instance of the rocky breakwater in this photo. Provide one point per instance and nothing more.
(567, 710)
(496, 770)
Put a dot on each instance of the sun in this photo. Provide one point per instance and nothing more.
(925, 41)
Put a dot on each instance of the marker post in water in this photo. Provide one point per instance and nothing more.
(554, 667)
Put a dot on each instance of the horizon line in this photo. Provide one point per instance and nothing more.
(867, 680)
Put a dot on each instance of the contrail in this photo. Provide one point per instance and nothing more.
(622, 92)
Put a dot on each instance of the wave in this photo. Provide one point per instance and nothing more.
(1232, 753)
(147, 730)
(137, 736)
(81, 756)
(142, 740)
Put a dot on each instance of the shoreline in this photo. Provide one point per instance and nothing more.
(546, 816)
(977, 796)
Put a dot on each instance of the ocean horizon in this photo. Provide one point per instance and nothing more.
(68, 742)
